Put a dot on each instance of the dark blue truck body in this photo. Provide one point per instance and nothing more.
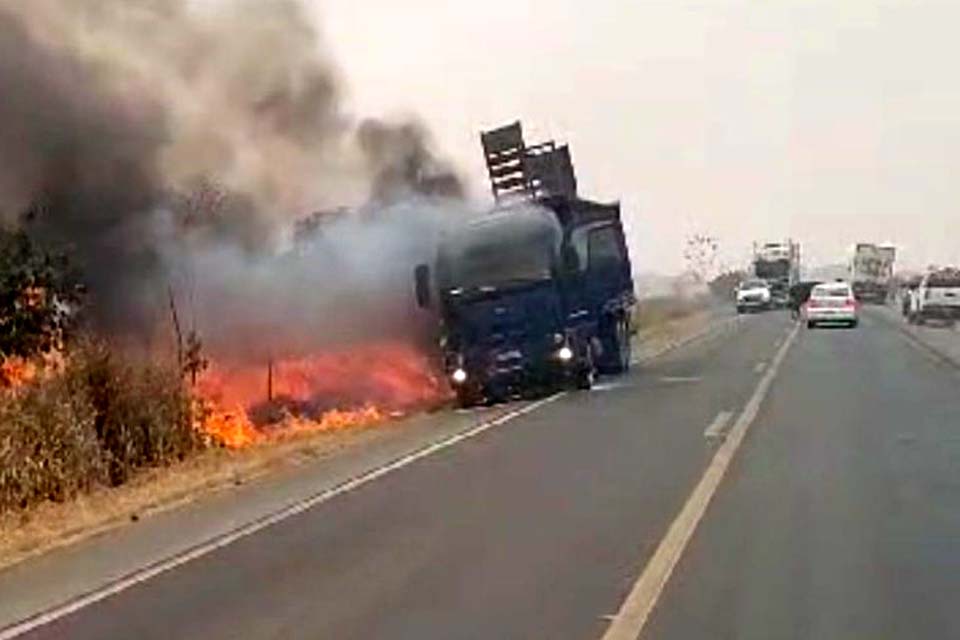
(532, 297)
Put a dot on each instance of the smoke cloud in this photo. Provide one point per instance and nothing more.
(169, 141)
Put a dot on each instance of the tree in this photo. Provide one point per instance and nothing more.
(40, 293)
(700, 255)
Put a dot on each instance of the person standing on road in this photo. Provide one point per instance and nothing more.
(795, 300)
(798, 295)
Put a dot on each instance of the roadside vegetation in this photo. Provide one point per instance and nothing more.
(75, 414)
(655, 312)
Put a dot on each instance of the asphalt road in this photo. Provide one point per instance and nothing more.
(841, 516)
(838, 518)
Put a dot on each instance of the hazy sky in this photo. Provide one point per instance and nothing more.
(831, 122)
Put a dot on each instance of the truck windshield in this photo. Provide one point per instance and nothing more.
(482, 259)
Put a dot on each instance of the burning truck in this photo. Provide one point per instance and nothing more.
(538, 292)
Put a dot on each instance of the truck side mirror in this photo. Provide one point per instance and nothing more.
(421, 277)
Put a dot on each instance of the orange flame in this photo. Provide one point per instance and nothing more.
(232, 429)
(356, 387)
(16, 372)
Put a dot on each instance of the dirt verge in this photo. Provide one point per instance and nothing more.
(52, 525)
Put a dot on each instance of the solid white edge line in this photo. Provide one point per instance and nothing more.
(716, 427)
(636, 609)
(218, 542)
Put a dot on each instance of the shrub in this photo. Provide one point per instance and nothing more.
(142, 410)
(48, 444)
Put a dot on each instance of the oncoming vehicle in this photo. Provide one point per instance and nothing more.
(753, 295)
(832, 303)
(937, 298)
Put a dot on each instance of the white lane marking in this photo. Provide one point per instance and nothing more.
(205, 548)
(610, 386)
(680, 379)
(636, 609)
(760, 367)
(715, 430)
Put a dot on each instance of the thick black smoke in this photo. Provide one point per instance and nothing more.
(154, 137)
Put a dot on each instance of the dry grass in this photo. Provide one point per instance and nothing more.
(48, 445)
(50, 525)
(98, 421)
(655, 313)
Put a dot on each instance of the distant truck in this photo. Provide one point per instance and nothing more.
(778, 263)
(538, 293)
(871, 272)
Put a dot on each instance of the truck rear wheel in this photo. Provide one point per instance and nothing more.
(617, 348)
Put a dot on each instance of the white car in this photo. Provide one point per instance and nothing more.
(832, 303)
(936, 298)
(753, 295)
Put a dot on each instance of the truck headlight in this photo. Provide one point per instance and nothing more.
(565, 354)
(459, 376)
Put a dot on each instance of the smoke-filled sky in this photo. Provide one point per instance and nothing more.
(171, 145)
(829, 121)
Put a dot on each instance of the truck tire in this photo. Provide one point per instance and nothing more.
(586, 373)
(467, 398)
(617, 348)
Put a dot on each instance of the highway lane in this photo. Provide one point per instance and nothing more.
(536, 529)
(840, 518)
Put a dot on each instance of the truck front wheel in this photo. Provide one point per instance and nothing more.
(467, 397)
(586, 372)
